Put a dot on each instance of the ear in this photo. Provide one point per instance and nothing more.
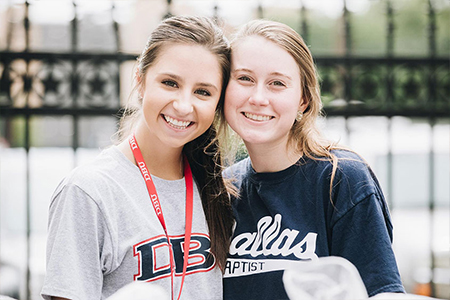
(304, 102)
(138, 76)
(138, 82)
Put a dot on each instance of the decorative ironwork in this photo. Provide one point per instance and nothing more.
(53, 83)
(407, 81)
(39, 83)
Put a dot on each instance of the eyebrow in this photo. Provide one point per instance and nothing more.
(208, 85)
(281, 74)
(179, 78)
(176, 77)
(242, 69)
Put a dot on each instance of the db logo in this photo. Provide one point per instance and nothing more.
(153, 256)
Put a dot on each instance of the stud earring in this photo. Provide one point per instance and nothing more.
(299, 116)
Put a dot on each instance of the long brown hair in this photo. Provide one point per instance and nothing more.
(203, 153)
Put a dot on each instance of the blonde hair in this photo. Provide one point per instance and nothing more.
(304, 135)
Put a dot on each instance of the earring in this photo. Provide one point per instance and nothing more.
(299, 116)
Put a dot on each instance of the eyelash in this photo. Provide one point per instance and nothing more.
(278, 83)
(244, 78)
(170, 83)
(203, 92)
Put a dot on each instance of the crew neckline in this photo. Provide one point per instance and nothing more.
(274, 177)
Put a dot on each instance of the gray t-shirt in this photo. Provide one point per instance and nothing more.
(104, 234)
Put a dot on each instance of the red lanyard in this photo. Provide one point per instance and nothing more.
(158, 210)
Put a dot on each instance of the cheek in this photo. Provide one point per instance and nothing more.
(208, 111)
(229, 106)
(291, 102)
(233, 95)
(148, 106)
(289, 110)
(210, 116)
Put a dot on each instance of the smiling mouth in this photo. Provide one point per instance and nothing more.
(258, 118)
(177, 124)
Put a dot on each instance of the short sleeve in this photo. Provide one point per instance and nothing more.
(75, 246)
(363, 236)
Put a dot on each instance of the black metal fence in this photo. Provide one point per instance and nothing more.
(83, 84)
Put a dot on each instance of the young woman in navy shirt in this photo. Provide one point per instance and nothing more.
(300, 196)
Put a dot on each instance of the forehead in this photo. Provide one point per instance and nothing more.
(260, 53)
(190, 60)
(183, 53)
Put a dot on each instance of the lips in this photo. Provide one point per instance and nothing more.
(258, 118)
(177, 124)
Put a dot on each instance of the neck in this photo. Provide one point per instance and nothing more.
(273, 158)
(163, 162)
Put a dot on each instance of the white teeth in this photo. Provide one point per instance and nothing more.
(257, 117)
(177, 123)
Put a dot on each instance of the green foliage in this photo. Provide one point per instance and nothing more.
(369, 28)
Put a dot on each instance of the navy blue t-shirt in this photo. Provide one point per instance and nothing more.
(288, 216)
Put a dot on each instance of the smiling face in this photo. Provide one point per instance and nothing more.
(180, 93)
(263, 94)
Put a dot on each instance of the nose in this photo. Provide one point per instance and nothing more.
(259, 96)
(183, 105)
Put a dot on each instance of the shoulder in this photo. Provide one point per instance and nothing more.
(105, 164)
(350, 176)
(347, 158)
(354, 180)
(340, 163)
(351, 166)
(92, 176)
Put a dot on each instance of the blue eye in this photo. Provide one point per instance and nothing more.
(203, 92)
(170, 83)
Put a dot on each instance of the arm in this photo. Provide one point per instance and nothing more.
(74, 246)
(362, 235)
(360, 227)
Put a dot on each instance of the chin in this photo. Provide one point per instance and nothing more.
(254, 141)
